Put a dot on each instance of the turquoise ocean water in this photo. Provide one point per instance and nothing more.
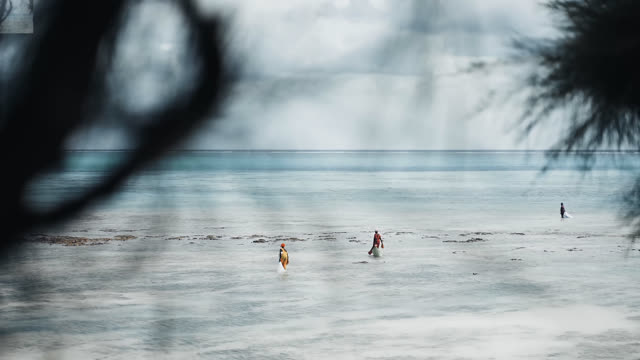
(198, 282)
(287, 190)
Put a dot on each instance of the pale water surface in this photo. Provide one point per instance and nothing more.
(536, 287)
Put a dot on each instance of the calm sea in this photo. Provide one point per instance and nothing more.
(200, 280)
(356, 190)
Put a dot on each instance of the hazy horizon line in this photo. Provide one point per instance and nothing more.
(369, 150)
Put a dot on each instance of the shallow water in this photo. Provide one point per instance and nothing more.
(557, 289)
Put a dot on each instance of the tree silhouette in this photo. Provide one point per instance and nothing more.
(592, 69)
(592, 72)
(56, 89)
(6, 6)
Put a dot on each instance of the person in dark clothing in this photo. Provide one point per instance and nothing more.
(377, 242)
(562, 211)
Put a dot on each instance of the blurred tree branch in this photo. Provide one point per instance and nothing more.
(592, 72)
(53, 94)
(591, 69)
(5, 9)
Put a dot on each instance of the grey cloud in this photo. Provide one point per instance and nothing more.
(354, 74)
(362, 73)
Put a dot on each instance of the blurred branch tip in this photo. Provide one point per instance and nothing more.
(58, 84)
(588, 76)
(5, 9)
(590, 70)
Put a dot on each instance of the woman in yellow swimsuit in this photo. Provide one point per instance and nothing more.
(284, 257)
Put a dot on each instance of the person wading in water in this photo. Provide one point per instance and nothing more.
(377, 242)
(284, 257)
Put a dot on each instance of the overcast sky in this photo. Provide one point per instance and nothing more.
(369, 74)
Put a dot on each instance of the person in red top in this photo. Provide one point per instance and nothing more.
(377, 242)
